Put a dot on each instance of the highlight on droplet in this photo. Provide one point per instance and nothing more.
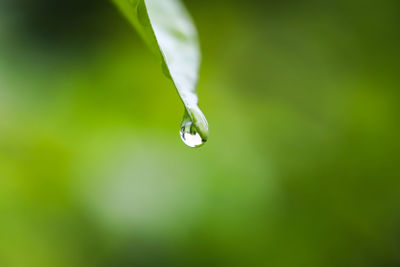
(190, 136)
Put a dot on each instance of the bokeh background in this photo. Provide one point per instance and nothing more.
(301, 168)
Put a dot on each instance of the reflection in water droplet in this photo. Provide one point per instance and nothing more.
(190, 136)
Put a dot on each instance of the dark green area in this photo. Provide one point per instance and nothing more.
(301, 168)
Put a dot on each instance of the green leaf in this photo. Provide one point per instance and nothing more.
(167, 28)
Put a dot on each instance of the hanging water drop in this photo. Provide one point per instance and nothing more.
(190, 136)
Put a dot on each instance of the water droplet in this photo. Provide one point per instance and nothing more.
(190, 136)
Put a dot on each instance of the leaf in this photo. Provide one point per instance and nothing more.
(167, 28)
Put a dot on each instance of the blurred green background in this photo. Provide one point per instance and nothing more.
(301, 168)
